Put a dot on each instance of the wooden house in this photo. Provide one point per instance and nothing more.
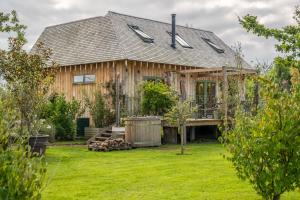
(121, 49)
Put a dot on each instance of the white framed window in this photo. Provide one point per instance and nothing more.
(145, 37)
(180, 40)
(89, 78)
(78, 79)
(216, 47)
(86, 78)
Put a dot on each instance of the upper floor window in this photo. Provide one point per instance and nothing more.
(216, 47)
(180, 40)
(141, 34)
(87, 78)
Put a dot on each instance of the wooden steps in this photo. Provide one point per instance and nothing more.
(111, 139)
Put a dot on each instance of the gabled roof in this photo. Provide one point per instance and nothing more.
(109, 38)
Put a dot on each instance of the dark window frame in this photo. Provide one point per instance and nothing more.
(153, 78)
(136, 30)
(216, 47)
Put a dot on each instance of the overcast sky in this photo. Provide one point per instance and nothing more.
(219, 16)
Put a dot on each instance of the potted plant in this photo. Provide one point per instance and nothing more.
(38, 142)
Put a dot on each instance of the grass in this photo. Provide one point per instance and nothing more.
(148, 174)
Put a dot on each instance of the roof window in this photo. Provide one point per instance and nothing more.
(180, 40)
(141, 34)
(214, 46)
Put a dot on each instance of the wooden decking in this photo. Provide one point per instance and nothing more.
(197, 122)
(203, 122)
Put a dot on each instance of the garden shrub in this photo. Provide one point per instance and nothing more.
(99, 110)
(157, 98)
(62, 115)
(21, 175)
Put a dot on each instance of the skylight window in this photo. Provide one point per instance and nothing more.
(180, 40)
(213, 45)
(141, 34)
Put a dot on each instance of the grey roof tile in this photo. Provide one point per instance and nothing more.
(109, 38)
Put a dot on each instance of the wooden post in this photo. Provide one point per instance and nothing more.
(256, 96)
(117, 95)
(118, 100)
(184, 134)
(242, 87)
(193, 135)
(225, 96)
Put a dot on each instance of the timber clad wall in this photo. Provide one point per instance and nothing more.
(131, 73)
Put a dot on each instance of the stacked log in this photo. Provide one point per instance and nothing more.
(109, 144)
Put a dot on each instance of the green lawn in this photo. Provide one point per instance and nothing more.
(156, 174)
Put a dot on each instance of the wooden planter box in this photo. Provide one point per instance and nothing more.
(143, 131)
(90, 132)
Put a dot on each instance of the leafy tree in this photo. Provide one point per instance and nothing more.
(28, 76)
(157, 98)
(178, 115)
(288, 39)
(62, 114)
(264, 144)
(265, 148)
(27, 81)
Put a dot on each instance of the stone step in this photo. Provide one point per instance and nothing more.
(100, 138)
(106, 134)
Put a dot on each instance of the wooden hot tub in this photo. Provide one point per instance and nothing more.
(143, 131)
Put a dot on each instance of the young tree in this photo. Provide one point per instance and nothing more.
(264, 145)
(178, 115)
(265, 148)
(27, 81)
(28, 76)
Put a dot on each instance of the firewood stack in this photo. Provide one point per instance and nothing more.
(109, 144)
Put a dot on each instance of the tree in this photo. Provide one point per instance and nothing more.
(178, 115)
(288, 39)
(27, 81)
(265, 148)
(264, 144)
(28, 76)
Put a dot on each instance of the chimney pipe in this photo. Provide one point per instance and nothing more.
(173, 44)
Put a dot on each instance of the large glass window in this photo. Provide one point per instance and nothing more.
(206, 98)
